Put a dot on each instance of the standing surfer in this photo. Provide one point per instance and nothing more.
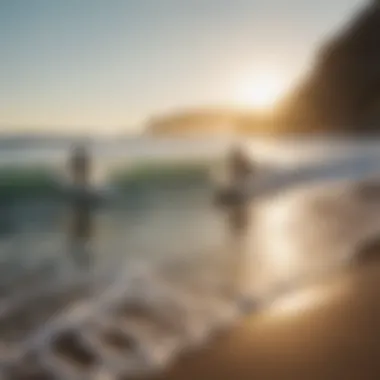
(235, 201)
(240, 171)
(80, 166)
(81, 226)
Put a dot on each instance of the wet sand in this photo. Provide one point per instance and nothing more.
(328, 331)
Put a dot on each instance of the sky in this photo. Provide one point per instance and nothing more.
(107, 65)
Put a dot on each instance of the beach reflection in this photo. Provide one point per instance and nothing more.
(298, 302)
(299, 236)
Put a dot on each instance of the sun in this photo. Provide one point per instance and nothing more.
(261, 91)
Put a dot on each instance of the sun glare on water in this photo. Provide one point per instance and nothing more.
(261, 91)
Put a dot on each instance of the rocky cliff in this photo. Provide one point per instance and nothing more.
(342, 92)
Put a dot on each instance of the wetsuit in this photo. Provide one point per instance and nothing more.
(240, 170)
(81, 221)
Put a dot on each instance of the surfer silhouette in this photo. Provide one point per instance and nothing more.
(240, 165)
(234, 200)
(81, 218)
(80, 166)
(240, 171)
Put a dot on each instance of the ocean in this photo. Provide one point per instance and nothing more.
(164, 272)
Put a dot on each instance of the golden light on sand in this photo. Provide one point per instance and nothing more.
(261, 91)
(297, 302)
(311, 297)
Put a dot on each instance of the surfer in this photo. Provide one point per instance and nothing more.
(240, 166)
(240, 170)
(81, 224)
(234, 198)
(80, 166)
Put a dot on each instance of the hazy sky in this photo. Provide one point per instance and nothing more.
(110, 63)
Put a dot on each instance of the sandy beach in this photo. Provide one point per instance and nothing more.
(328, 331)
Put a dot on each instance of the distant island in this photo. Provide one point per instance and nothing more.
(190, 122)
(341, 93)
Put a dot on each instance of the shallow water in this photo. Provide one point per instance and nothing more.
(165, 274)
